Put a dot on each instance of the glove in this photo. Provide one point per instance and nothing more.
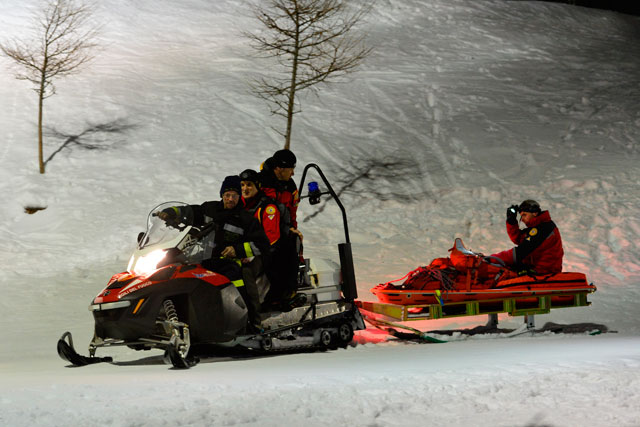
(512, 214)
(166, 215)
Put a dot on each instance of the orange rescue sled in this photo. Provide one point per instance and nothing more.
(469, 276)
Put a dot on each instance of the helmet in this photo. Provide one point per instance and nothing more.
(529, 206)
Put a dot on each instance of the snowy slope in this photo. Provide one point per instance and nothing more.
(473, 106)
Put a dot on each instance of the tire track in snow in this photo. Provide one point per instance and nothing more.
(10, 135)
(405, 125)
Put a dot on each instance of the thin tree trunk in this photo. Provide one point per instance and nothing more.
(292, 89)
(292, 94)
(307, 38)
(61, 46)
(40, 107)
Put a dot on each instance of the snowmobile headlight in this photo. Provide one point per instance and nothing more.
(148, 263)
(109, 305)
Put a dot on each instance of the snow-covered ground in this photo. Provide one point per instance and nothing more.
(472, 105)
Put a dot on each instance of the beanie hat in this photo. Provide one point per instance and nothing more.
(284, 159)
(230, 183)
(529, 206)
(251, 176)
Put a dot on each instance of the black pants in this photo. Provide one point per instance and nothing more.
(250, 272)
(282, 271)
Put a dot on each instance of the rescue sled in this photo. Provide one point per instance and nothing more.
(469, 276)
(471, 284)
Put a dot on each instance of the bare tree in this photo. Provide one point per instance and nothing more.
(312, 41)
(65, 39)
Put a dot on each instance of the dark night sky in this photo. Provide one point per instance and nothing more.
(629, 6)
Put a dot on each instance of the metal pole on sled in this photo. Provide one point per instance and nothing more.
(349, 289)
(529, 320)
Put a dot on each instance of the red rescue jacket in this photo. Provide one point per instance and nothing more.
(539, 245)
(272, 215)
(268, 215)
(285, 192)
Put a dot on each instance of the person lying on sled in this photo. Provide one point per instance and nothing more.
(539, 245)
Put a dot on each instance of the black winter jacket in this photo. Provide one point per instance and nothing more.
(233, 227)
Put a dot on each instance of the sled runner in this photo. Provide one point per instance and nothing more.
(490, 330)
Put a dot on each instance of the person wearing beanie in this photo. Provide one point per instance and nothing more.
(284, 159)
(282, 268)
(539, 245)
(276, 178)
(230, 183)
(277, 182)
(273, 216)
(237, 237)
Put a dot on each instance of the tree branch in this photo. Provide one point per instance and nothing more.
(311, 41)
(61, 48)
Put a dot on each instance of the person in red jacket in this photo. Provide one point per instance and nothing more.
(282, 267)
(277, 183)
(273, 216)
(539, 245)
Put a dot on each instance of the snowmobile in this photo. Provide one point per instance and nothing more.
(167, 300)
(467, 276)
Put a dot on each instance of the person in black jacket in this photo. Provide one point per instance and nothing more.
(238, 238)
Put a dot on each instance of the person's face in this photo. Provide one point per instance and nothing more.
(527, 217)
(230, 199)
(249, 189)
(283, 174)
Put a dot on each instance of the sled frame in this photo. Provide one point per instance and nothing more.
(516, 306)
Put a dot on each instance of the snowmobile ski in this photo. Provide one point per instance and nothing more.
(67, 352)
(173, 357)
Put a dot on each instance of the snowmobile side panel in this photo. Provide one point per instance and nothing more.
(216, 314)
(212, 312)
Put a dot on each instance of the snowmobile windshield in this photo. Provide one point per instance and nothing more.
(166, 222)
(199, 245)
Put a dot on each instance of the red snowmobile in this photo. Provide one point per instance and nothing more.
(167, 300)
